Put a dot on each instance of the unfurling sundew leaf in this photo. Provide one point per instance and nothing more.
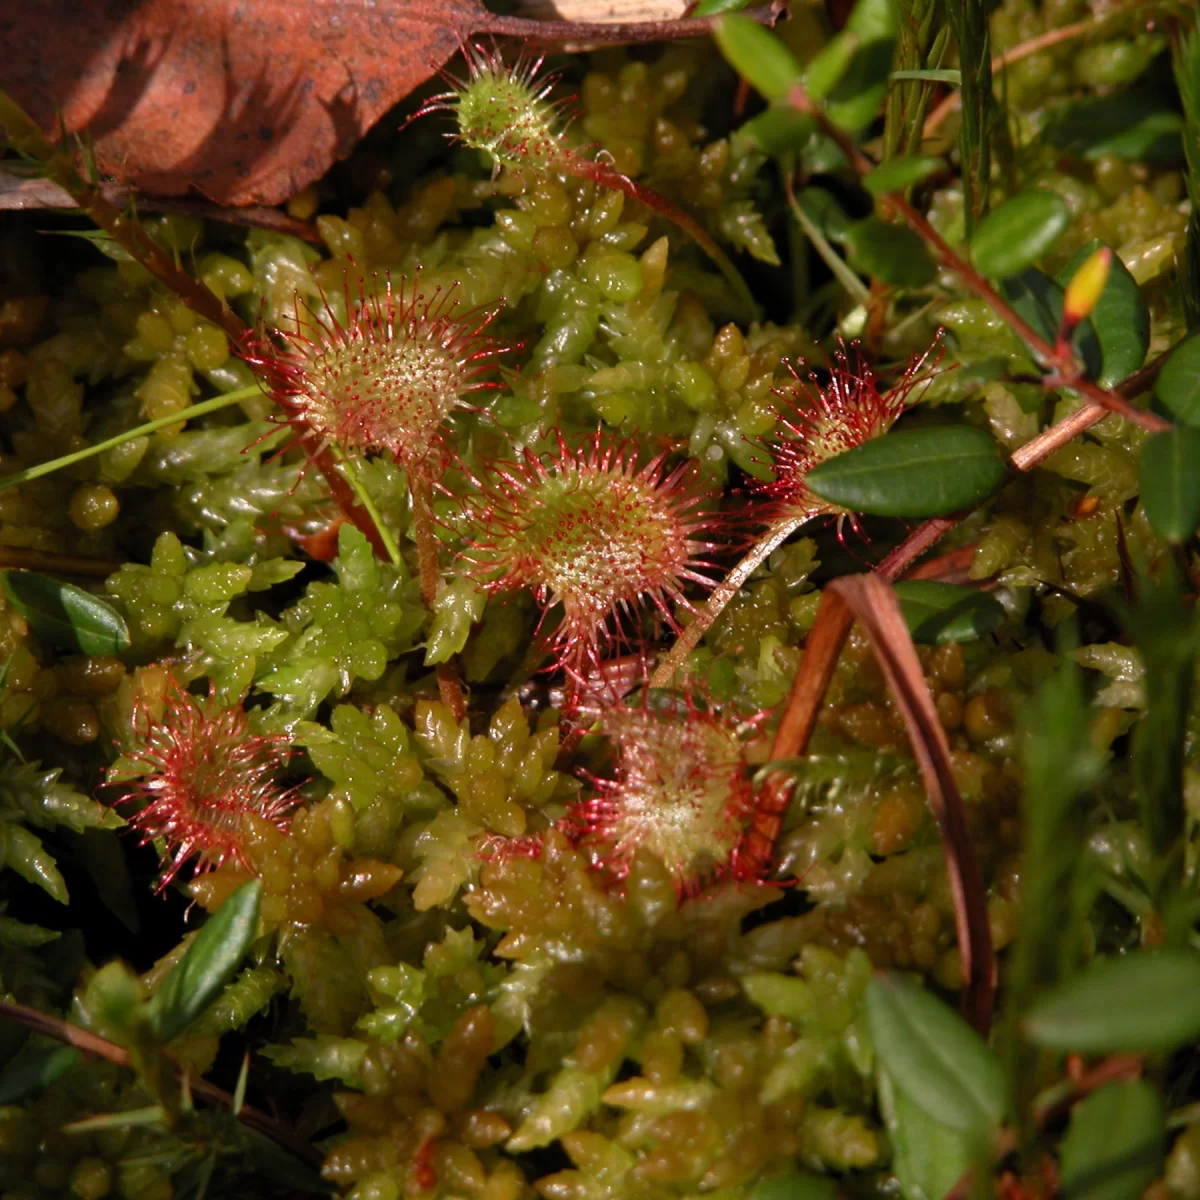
(1141, 1002)
(914, 473)
(1017, 233)
(65, 615)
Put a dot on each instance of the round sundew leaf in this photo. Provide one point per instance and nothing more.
(194, 982)
(1169, 471)
(757, 55)
(1140, 1002)
(1178, 384)
(934, 1056)
(66, 615)
(944, 612)
(899, 173)
(1121, 319)
(1016, 234)
(1113, 1148)
(890, 253)
(914, 473)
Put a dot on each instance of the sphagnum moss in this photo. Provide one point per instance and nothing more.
(472, 960)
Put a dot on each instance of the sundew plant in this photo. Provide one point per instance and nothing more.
(637, 641)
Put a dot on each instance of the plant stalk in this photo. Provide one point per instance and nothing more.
(26, 137)
(98, 1047)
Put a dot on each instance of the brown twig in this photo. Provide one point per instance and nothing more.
(20, 558)
(98, 1047)
(828, 634)
(873, 602)
(33, 195)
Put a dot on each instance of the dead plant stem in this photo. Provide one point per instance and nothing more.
(98, 1047)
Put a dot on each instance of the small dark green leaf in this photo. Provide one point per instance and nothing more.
(825, 213)
(900, 173)
(1140, 1002)
(928, 1157)
(795, 1185)
(829, 64)
(713, 8)
(943, 612)
(1129, 125)
(1170, 480)
(281, 1167)
(890, 253)
(775, 130)
(34, 1068)
(196, 980)
(934, 1056)
(915, 473)
(952, 76)
(1017, 233)
(874, 26)
(1039, 300)
(757, 55)
(1164, 630)
(1178, 385)
(1113, 1148)
(66, 615)
(1121, 319)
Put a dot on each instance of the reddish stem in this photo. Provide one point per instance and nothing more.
(828, 634)
(60, 168)
(98, 1047)
(1063, 370)
(586, 168)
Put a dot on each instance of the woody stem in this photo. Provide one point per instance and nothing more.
(711, 609)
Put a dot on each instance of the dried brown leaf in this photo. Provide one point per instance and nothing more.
(245, 103)
(873, 603)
